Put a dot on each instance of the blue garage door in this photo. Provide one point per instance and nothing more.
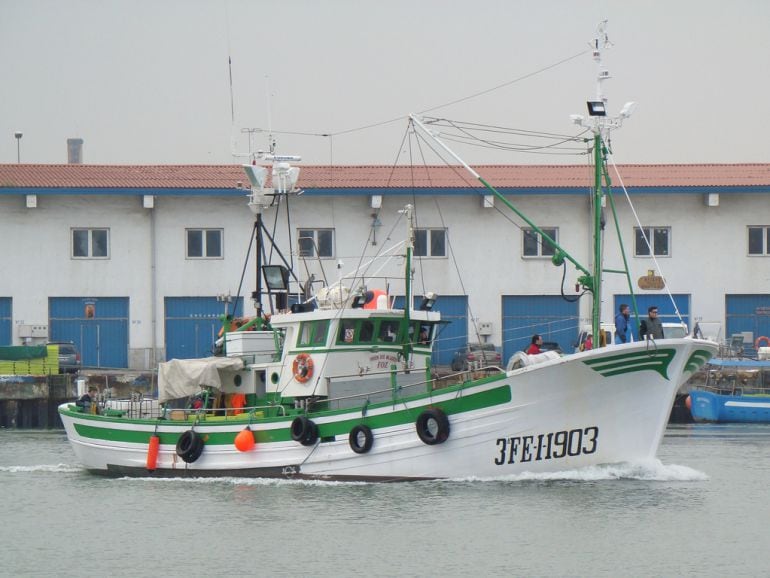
(549, 315)
(192, 325)
(747, 313)
(451, 336)
(5, 320)
(97, 325)
(666, 312)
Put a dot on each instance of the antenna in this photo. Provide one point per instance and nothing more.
(598, 121)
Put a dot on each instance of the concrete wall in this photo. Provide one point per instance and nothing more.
(147, 251)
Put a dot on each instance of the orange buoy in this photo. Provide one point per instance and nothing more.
(244, 441)
(152, 452)
(688, 402)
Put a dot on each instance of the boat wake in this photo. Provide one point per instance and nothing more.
(648, 470)
(53, 468)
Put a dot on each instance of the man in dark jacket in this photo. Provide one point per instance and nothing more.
(651, 327)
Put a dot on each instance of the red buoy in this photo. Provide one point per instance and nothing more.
(244, 441)
(688, 402)
(152, 452)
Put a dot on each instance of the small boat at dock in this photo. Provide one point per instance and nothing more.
(734, 391)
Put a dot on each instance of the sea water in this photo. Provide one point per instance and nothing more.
(701, 509)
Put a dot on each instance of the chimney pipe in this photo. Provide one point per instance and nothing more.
(75, 151)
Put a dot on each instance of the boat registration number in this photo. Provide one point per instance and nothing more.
(548, 446)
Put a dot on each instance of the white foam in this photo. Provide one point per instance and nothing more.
(57, 468)
(650, 470)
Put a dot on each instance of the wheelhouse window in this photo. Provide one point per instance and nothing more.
(422, 331)
(368, 331)
(204, 243)
(659, 241)
(759, 240)
(316, 243)
(535, 244)
(90, 243)
(313, 333)
(430, 242)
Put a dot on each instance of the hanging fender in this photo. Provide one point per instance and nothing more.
(432, 426)
(302, 368)
(152, 452)
(304, 430)
(361, 439)
(189, 447)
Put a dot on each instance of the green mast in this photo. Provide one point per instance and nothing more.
(596, 305)
(407, 344)
(600, 125)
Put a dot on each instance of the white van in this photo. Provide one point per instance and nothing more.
(607, 329)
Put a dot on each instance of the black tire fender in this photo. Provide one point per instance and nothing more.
(189, 446)
(432, 426)
(361, 439)
(304, 430)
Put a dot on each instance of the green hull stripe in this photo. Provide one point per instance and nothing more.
(656, 360)
(697, 360)
(460, 404)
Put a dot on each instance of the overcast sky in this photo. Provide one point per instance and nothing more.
(148, 82)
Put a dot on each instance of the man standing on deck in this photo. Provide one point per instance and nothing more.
(651, 327)
(621, 324)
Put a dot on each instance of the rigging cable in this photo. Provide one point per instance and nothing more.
(644, 235)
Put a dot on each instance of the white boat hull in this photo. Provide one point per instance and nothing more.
(598, 407)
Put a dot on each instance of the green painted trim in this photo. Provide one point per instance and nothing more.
(356, 348)
(698, 359)
(456, 405)
(657, 360)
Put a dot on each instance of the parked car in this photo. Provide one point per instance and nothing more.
(69, 356)
(485, 353)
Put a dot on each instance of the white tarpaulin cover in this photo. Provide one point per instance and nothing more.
(183, 377)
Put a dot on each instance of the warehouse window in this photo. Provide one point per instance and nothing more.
(90, 243)
(759, 240)
(316, 243)
(430, 242)
(204, 243)
(659, 241)
(536, 245)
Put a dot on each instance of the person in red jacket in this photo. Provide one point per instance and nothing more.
(534, 347)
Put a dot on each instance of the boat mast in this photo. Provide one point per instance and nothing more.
(407, 342)
(600, 125)
(284, 180)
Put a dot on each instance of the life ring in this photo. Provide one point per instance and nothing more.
(304, 431)
(760, 339)
(302, 368)
(432, 426)
(361, 439)
(189, 446)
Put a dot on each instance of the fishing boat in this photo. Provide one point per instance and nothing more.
(339, 385)
(735, 390)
